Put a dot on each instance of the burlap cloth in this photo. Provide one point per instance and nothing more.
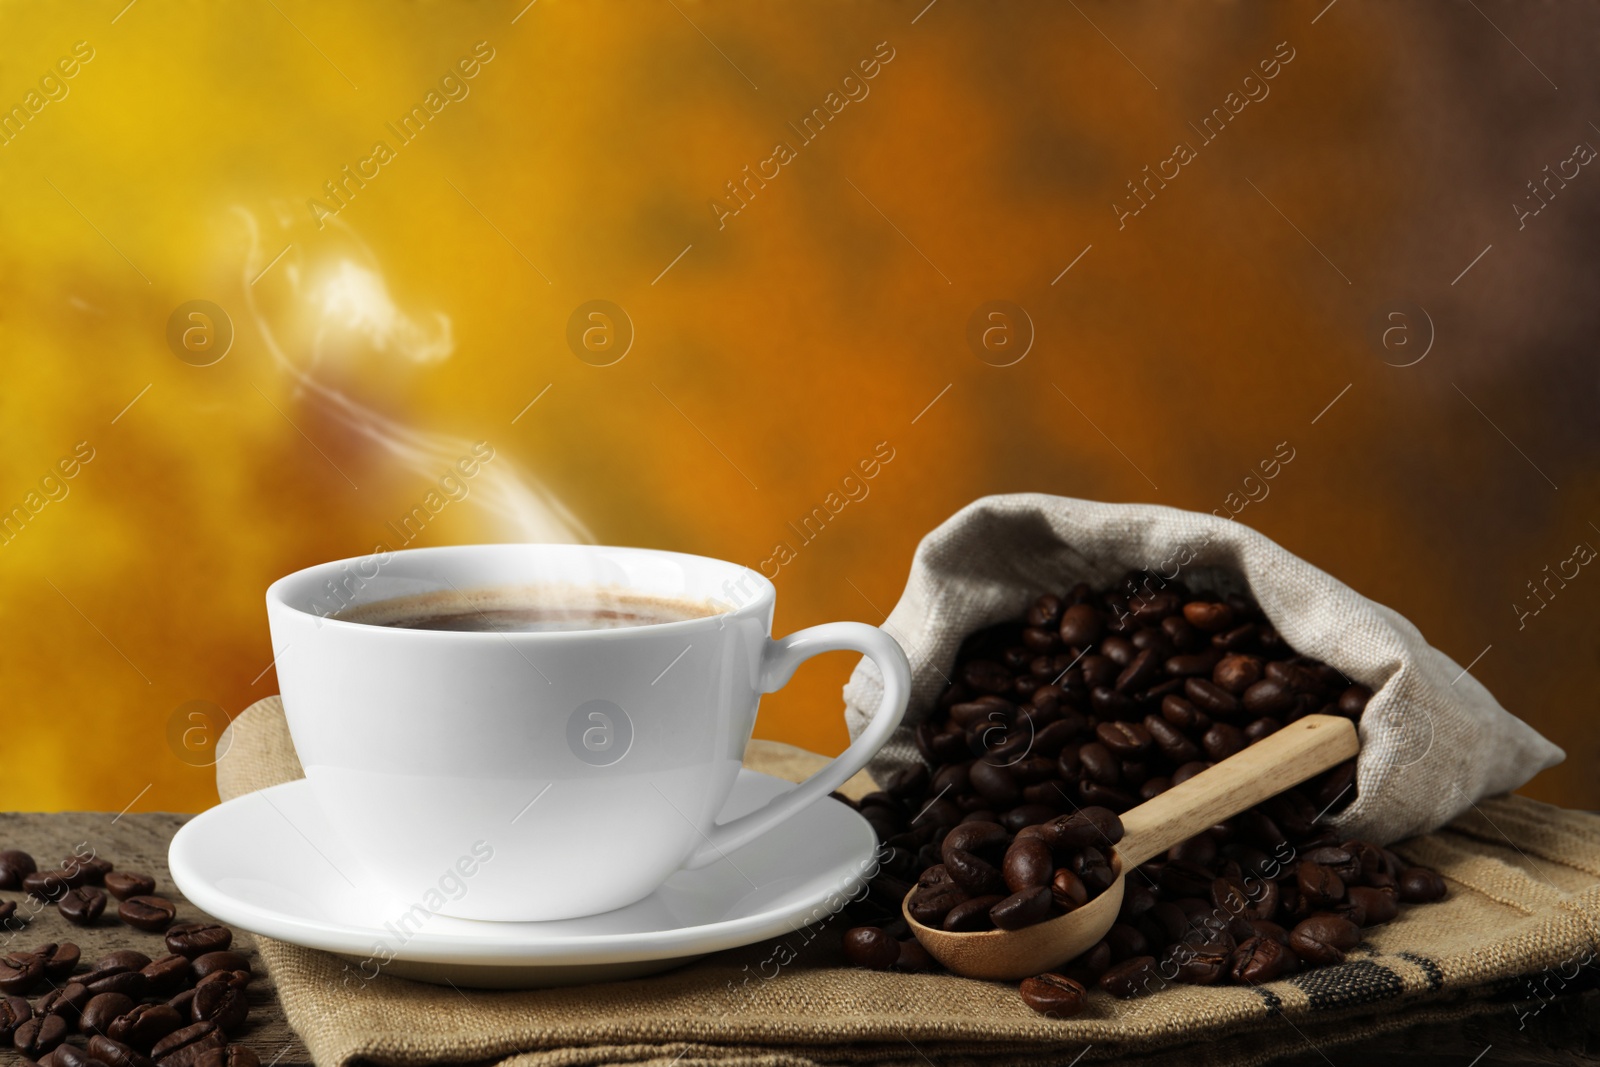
(1433, 739)
(1524, 900)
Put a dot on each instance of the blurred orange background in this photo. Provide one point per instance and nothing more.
(755, 356)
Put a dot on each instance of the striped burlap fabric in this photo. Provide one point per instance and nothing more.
(1524, 900)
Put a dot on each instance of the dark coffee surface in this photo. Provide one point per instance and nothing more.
(525, 611)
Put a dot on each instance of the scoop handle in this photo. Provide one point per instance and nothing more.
(1306, 747)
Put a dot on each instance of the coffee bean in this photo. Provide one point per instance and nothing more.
(234, 1056)
(1232, 897)
(1260, 728)
(1182, 634)
(974, 875)
(1256, 826)
(930, 905)
(1236, 672)
(913, 957)
(1293, 677)
(1418, 885)
(1022, 908)
(1340, 861)
(1126, 941)
(1125, 739)
(980, 838)
(1096, 876)
(82, 906)
(242, 979)
(128, 959)
(183, 1048)
(1222, 740)
(1319, 886)
(101, 1009)
(1041, 639)
(125, 884)
(1142, 671)
(1188, 665)
(220, 961)
(39, 1035)
(1068, 890)
(971, 915)
(181, 1002)
(994, 782)
(1260, 959)
(1324, 939)
(1267, 697)
(1210, 697)
(1134, 977)
(225, 1004)
(131, 983)
(146, 1024)
(70, 1056)
(45, 886)
(1107, 703)
(14, 1011)
(1028, 863)
(1183, 714)
(1046, 611)
(168, 974)
(86, 870)
(101, 970)
(1081, 626)
(116, 1054)
(59, 960)
(864, 946)
(1353, 701)
(1208, 616)
(147, 913)
(1099, 764)
(1172, 742)
(1033, 770)
(66, 1001)
(1378, 906)
(20, 972)
(14, 866)
(1205, 963)
(1054, 995)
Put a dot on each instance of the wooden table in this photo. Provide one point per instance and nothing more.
(1565, 1031)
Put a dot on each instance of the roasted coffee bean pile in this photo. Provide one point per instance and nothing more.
(1088, 706)
(178, 1010)
(991, 878)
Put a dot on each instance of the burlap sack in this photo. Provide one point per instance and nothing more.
(1529, 908)
(1433, 740)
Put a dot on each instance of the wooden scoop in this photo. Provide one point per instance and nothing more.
(1300, 750)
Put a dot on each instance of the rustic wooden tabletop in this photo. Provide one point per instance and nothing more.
(1563, 1031)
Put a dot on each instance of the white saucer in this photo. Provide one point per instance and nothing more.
(265, 862)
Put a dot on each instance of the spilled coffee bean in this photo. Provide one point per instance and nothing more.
(123, 884)
(147, 913)
(82, 906)
(197, 939)
(131, 1010)
(1054, 995)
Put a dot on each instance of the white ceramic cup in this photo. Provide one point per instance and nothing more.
(543, 775)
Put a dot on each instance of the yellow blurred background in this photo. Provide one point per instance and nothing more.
(768, 328)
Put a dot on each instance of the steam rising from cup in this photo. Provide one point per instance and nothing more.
(341, 323)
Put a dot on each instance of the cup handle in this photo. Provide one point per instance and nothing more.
(778, 665)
